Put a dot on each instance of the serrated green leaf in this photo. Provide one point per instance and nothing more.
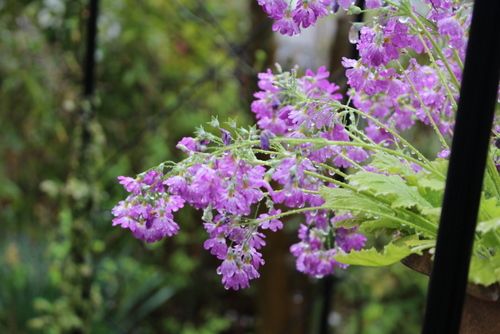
(345, 199)
(489, 225)
(391, 187)
(489, 209)
(391, 164)
(485, 271)
(372, 258)
(432, 213)
(440, 165)
(429, 182)
(349, 223)
(370, 226)
(365, 207)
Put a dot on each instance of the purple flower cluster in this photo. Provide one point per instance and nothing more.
(290, 16)
(224, 184)
(306, 111)
(400, 93)
(230, 186)
(320, 241)
(280, 111)
(148, 210)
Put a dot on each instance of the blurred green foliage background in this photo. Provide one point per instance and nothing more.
(163, 68)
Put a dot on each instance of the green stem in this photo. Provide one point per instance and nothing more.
(434, 44)
(492, 173)
(326, 142)
(383, 126)
(427, 112)
(333, 169)
(291, 212)
(443, 80)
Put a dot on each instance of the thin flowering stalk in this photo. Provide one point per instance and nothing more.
(330, 180)
(456, 57)
(369, 140)
(354, 132)
(429, 229)
(352, 162)
(392, 132)
(325, 142)
(385, 127)
(333, 169)
(432, 25)
(307, 191)
(406, 8)
(427, 112)
(232, 147)
(492, 173)
(436, 47)
(289, 213)
(439, 73)
(363, 138)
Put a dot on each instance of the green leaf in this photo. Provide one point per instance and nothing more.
(489, 209)
(370, 226)
(349, 223)
(426, 181)
(485, 271)
(368, 207)
(371, 257)
(440, 165)
(391, 187)
(432, 213)
(345, 199)
(391, 164)
(489, 225)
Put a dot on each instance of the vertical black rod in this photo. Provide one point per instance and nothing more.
(81, 227)
(89, 62)
(465, 172)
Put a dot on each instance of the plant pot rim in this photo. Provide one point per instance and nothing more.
(423, 264)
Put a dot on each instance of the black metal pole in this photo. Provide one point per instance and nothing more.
(89, 65)
(81, 228)
(469, 149)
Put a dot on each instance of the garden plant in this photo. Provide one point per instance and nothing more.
(368, 196)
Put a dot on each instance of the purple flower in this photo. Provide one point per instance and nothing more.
(130, 184)
(273, 8)
(146, 222)
(226, 137)
(346, 3)
(217, 246)
(307, 12)
(348, 239)
(240, 266)
(188, 145)
(444, 154)
(286, 25)
(273, 224)
(370, 4)
(450, 27)
(265, 137)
